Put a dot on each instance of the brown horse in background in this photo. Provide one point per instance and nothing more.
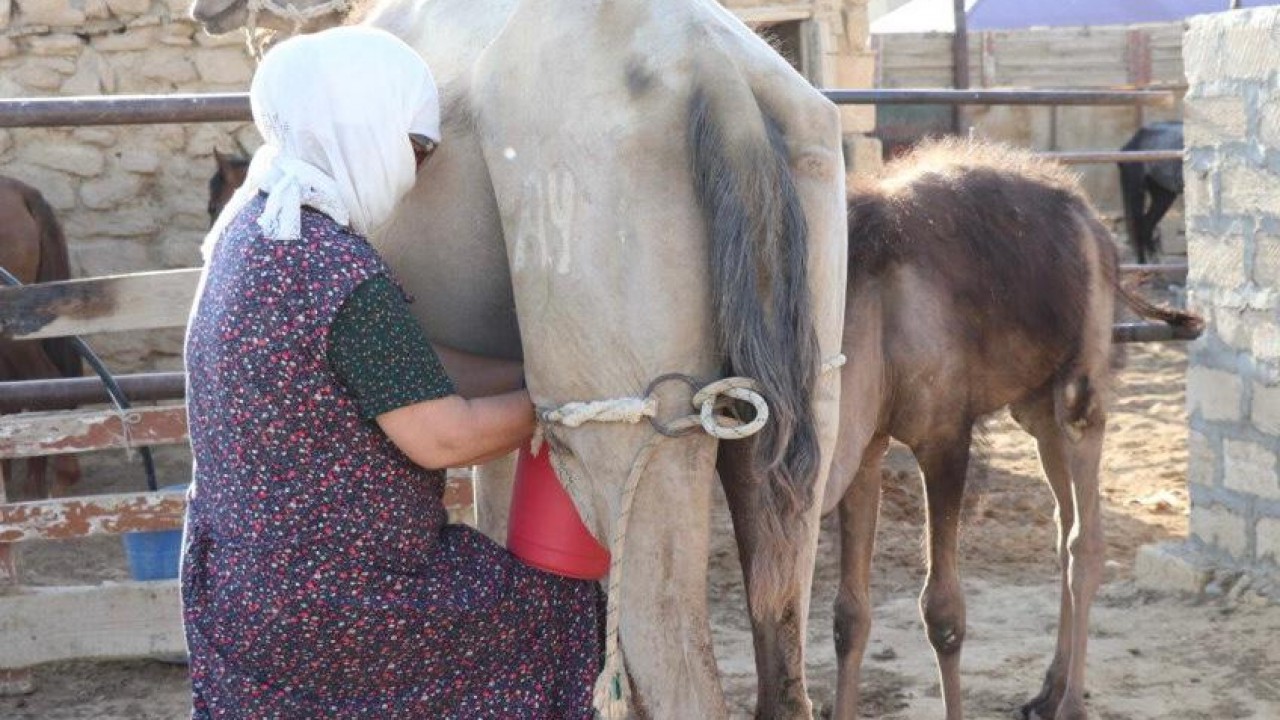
(33, 249)
(979, 278)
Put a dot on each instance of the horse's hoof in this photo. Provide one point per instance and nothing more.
(1071, 711)
(1038, 709)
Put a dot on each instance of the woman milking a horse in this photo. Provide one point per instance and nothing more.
(320, 579)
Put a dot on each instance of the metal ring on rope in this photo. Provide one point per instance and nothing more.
(680, 426)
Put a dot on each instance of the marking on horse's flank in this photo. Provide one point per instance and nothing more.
(547, 205)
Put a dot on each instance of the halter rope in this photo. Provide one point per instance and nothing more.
(612, 693)
(286, 11)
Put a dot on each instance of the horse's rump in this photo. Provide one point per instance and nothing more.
(44, 238)
(1011, 241)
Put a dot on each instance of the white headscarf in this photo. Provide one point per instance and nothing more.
(335, 109)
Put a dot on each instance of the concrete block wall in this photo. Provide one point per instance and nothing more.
(1233, 230)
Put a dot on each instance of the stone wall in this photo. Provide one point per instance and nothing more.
(1233, 386)
(131, 198)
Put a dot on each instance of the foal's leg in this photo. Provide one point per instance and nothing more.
(945, 461)
(1070, 456)
(1036, 416)
(859, 513)
(777, 623)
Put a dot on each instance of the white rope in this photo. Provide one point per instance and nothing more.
(723, 427)
(127, 419)
(625, 410)
(611, 696)
(834, 363)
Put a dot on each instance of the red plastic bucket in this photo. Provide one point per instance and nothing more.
(544, 529)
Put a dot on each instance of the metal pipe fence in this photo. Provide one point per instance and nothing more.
(234, 107)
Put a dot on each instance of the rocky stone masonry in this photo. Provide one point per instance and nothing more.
(131, 198)
(1233, 237)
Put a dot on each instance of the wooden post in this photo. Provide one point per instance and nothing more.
(12, 681)
(1138, 51)
(959, 63)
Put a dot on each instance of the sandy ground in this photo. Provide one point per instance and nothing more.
(1151, 656)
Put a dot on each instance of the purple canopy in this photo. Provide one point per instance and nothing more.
(936, 15)
(1011, 14)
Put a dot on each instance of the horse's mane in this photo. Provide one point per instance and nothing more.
(950, 157)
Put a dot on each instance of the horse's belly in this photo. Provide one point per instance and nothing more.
(445, 246)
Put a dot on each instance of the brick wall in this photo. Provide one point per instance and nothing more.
(1233, 231)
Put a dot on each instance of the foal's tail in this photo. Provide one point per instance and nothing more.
(1188, 321)
(759, 273)
(54, 265)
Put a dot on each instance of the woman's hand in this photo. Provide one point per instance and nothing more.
(455, 432)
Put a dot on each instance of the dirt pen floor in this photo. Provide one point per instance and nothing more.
(1151, 656)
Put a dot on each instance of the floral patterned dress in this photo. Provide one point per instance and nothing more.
(319, 578)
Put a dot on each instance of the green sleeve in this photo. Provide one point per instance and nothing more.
(380, 353)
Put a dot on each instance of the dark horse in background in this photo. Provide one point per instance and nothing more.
(228, 177)
(33, 249)
(1160, 181)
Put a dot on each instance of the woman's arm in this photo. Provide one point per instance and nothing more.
(453, 431)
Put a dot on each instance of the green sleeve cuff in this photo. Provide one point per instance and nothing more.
(380, 353)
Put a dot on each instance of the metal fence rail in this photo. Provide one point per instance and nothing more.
(1162, 98)
(234, 107)
(1085, 157)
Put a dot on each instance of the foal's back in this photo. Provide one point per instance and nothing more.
(990, 267)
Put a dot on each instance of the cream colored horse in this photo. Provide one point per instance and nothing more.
(669, 195)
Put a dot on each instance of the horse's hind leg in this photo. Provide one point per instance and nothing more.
(944, 460)
(1161, 200)
(35, 487)
(66, 472)
(859, 513)
(1070, 454)
(777, 623)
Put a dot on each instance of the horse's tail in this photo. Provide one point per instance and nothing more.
(759, 275)
(1131, 192)
(54, 265)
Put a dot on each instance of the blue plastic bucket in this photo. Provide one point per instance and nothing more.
(154, 555)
